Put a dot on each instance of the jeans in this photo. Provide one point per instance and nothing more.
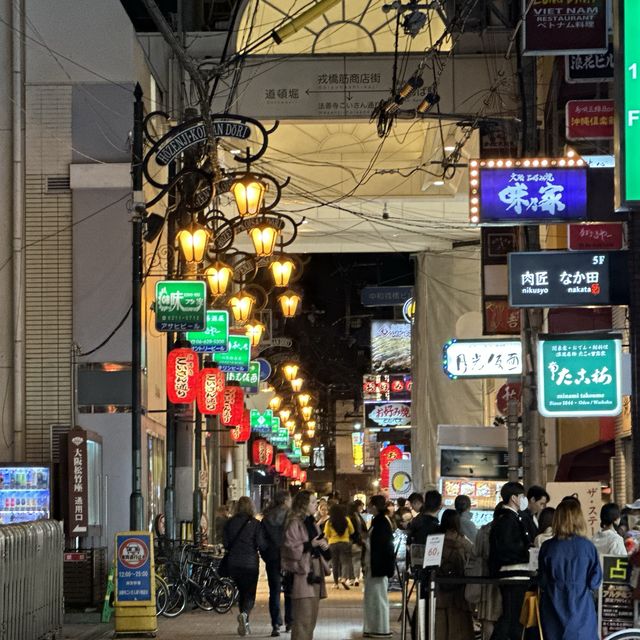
(356, 561)
(246, 579)
(508, 626)
(275, 586)
(341, 561)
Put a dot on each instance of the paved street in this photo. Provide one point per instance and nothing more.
(340, 619)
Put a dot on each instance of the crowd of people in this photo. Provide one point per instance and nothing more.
(306, 542)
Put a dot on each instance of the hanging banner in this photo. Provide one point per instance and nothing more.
(590, 67)
(181, 305)
(210, 391)
(182, 376)
(357, 449)
(261, 452)
(559, 27)
(589, 119)
(215, 336)
(579, 375)
(601, 236)
(233, 407)
(242, 432)
(482, 358)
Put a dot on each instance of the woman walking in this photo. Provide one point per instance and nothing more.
(569, 570)
(273, 529)
(380, 566)
(243, 539)
(357, 540)
(304, 561)
(339, 530)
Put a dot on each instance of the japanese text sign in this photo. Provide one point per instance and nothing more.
(568, 278)
(387, 414)
(385, 296)
(579, 376)
(238, 356)
(628, 93)
(77, 483)
(433, 550)
(606, 236)
(215, 336)
(261, 422)
(134, 568)
(520, 194)
(589, 119)
(250, 380)
(181, 305)
(616, 602)
(357, 449)
(182, 375)
(589, 67)
(556, 27)
(499, 318)
(482, 358)
(386, 387)
(210, 396)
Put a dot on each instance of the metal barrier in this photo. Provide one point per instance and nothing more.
(31, 597)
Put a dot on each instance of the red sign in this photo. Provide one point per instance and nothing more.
(599, 235)
(133, 553)
(74, 556)
(211, 391)
(182, 376)
(284, 466)
(242, 432)
(262, 452)
(233, 407)
(303, 476)
(295, 471)
(387, 456)
(500, 318)
(589, 119)
(508, 391)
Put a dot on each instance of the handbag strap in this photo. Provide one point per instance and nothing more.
(244, 524)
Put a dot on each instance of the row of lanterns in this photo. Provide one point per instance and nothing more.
(263, 454)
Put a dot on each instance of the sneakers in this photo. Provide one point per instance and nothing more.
(243, 624)
(345, 585)
(288, 628)
(275, 632)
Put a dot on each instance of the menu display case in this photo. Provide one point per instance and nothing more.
(25, 493)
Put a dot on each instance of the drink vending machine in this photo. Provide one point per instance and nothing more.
(25, 493)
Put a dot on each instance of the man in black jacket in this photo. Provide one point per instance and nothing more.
(537, 499)
(426, 522)
(509, 560)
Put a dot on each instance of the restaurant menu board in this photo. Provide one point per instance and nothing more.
(484, 495)
(615, 606)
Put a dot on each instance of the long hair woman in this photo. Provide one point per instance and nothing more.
(243, 538)
(339, 530)
(569, 571)
(304, 556)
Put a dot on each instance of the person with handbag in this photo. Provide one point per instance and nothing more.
(243, 538)
(380, 566)
(304, 560)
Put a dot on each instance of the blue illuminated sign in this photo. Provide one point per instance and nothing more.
(522, 194)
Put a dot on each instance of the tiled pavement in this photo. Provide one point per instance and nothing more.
(340, 619)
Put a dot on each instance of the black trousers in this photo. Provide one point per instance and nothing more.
(508, 626)
(246, 579)
(274, 577)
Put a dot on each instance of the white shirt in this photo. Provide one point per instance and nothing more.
(609, 542)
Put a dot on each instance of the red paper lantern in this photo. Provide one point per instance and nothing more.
(387, 456)
(282, 464)
(233, 407)
(182, 375)
(242, 432)
(303, 476)
(295, 471)
(210, 391)
(262, 452)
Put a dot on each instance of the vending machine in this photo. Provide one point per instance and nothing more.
(473, 462)
(25, 493)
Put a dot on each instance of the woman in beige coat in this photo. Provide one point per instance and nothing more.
(304, 560)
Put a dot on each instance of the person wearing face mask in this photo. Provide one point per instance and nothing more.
(509, 560)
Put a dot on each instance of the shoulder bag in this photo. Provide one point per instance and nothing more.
(223, 567)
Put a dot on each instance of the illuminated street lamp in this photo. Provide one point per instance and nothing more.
(306, 412)
(248, 192)
(275, 403)
(310, 432)
(291, 426)
(296, 384)
(297, 437)
(241, 306)
(218, 276)
(306, 448)
(285, 414)
(290, 371)
(254, 331)
(193, 242)
(304, 399)
(264, 237)
(282, 269)
(289, 302)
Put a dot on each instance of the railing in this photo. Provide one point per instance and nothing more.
(31, 598)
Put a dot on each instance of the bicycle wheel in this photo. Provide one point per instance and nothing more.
(176, 601)
(202, 594)
(162, 595)
(224, 593)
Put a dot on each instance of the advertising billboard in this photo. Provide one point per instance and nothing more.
(390, 346)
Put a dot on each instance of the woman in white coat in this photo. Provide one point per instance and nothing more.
(608, 541)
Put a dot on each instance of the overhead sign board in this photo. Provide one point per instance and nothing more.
(568, 278)
(579, 375)
(181, 305)
(482, 358)
(384, 415)
(628, 99)
(558, 27)
(390, 346)
(237, 357)
(385, 296)
(603, 236)
(589, 67)
(589, 119)
(249, 380)
(392, 387)
(214, 337)
(261, 422)
(514, 192)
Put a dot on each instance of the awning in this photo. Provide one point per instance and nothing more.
(588, 463)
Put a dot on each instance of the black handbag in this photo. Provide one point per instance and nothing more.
(223, 567)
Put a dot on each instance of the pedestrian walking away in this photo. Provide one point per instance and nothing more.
(304, 559)
(338, 529)
(357, 539)
(243, 538)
